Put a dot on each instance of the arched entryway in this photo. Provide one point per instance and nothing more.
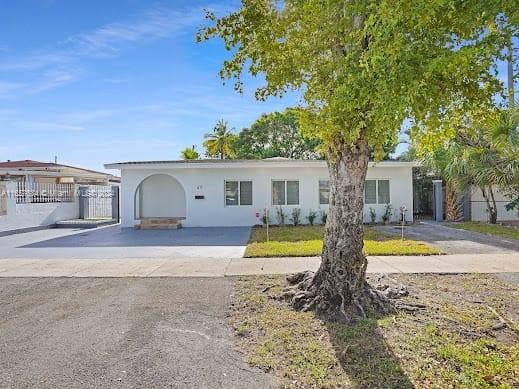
(160, 196)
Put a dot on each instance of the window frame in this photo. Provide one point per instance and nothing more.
(238, 181)
(388, 191)
(285, 180)
(319, 191)
(376, 191)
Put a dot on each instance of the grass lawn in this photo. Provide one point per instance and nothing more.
(456, 342)
(506, 232)
(304, 241)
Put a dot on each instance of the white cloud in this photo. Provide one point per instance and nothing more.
(51, 80)
(50, 69)
(46, 126)
(153, 24)
(8, 89)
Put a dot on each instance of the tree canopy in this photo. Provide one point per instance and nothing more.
(275, 134)
(365, 66)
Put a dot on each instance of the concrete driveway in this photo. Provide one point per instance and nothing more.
(120, 333)
(455, 241)
(114, 242)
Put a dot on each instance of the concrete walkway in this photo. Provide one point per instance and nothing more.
(218, 267)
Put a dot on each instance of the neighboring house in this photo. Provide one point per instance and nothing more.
(53, 173)
(236, 192)
(36, 195)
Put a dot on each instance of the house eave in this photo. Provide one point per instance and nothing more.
(218, 164)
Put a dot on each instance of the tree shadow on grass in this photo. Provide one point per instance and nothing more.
(365, 356)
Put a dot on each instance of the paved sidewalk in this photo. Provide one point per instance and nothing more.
(218, 267)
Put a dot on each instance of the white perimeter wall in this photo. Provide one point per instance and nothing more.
(478, 207)
(209, 182)
(35, 215)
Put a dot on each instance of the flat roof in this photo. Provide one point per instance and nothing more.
(31, 166)
(270, 162)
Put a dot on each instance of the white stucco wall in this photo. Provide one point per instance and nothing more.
(478, 206)
(162, 195)
(209, 182)
(31, 215)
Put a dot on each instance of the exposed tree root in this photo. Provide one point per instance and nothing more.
(308, 293)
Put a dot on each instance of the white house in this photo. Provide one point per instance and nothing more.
(30, 171)
(236, 192)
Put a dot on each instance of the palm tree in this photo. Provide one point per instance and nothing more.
(190, 153)
(484, 157)
(220, 142)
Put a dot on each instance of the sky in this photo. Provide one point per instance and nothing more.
(94, 82)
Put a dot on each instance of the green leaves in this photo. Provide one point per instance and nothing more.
(364, 67)
(276, 134)
(220, 142)
(189, 153)
(484, 154)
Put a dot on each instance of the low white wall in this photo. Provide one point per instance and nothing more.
(209, 183)
(478, 207)
(31, 215)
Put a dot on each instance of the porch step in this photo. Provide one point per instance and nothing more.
(84, 223)
(160, 223)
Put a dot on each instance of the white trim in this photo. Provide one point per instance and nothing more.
(217, 164)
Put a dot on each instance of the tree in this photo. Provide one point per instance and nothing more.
(484, 156)
(190, 153)
(220, 142)
(276, 134)
(363, 67)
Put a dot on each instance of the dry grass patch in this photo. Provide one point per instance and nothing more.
(305, 241)
(458, 341)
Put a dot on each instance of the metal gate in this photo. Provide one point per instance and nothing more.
(99, 202)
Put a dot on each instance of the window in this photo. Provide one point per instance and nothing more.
(376, 192)
(245, 192)
(285, 192)
(383, 191)
(324, 192)
(238, 193)
(292, 192)
(370, 192)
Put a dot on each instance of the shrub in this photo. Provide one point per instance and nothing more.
(372, 215)
(311, 217)
(264, 218)
(296, 216)
(324, 216)
(280, 216)
(388, 212)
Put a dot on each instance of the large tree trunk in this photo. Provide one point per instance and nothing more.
(339, 291)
